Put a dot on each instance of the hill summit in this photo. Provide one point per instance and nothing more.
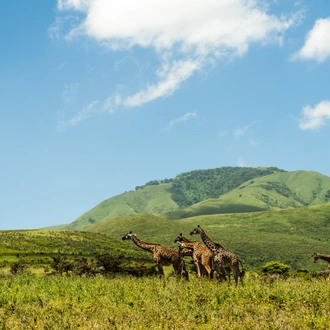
(213, 191)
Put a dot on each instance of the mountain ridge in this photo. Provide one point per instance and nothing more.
(244, 190)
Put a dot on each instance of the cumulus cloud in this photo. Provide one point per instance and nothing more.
(184, 118)
(315, 117)
(186, 35)
(317, 42)
(193, 25)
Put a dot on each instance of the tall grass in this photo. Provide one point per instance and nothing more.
(40, 302)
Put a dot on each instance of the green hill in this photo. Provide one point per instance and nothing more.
(213, 191)
(154, 199)
(289, 236)
(279, 190)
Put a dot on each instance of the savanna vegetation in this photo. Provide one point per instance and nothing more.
(273, 220)
(86, 280)
(124, 302)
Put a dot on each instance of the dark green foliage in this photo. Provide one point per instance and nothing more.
(61, 264)
(279, 187)
(153, 183)
(192, 187)
(140, 270)
(274, 267)
(109, 263)
(327, 196)
(102, 264)
(17, 268)
(84, 267)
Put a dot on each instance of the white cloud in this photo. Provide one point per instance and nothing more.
(85, 113)
(254, 143)
(70, 92)
(172, 76)
(61, 66)
(316, 117)
(203, 26)
(73, 4)
(317, 42)
(222, 133)
(240, 162)
(184, 118)
(186, 35)
(238, 132)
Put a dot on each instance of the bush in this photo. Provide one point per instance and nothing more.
(17, 268)
(274, 267)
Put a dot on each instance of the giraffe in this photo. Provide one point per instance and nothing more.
(200, 254)
(162, 256)
(325, 257)
(222, 257)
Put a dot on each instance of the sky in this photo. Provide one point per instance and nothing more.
(100, 96)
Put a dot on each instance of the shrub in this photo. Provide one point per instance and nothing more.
(17, 268)
(274, 267)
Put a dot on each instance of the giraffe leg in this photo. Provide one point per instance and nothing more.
(235, 272)
(160, 271)
(221, 273)
(199, 274)
(209, 271)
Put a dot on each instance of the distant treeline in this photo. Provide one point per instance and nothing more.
(195, 186)
(153, 183)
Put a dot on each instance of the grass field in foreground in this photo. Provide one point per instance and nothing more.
(40, 302)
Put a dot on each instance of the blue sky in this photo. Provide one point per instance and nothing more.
(98, 96)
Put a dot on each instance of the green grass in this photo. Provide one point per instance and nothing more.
(288, 236)
(37, 247)
(37, 302)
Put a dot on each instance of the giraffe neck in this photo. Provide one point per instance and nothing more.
(185, 239)
(208, 242)
(189, 245)
(143, 245)
(324, 257)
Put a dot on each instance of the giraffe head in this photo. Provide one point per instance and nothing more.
(197, 230)
(316, 256)
(180, 238)
(128, 236)
(184, 251)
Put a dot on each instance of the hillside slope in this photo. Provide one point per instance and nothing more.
(279, 190)
(235, 190)
(159, 197)
(151, 199)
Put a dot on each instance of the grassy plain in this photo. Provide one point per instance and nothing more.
(61, 302)
(37, 247)
(289, 236)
